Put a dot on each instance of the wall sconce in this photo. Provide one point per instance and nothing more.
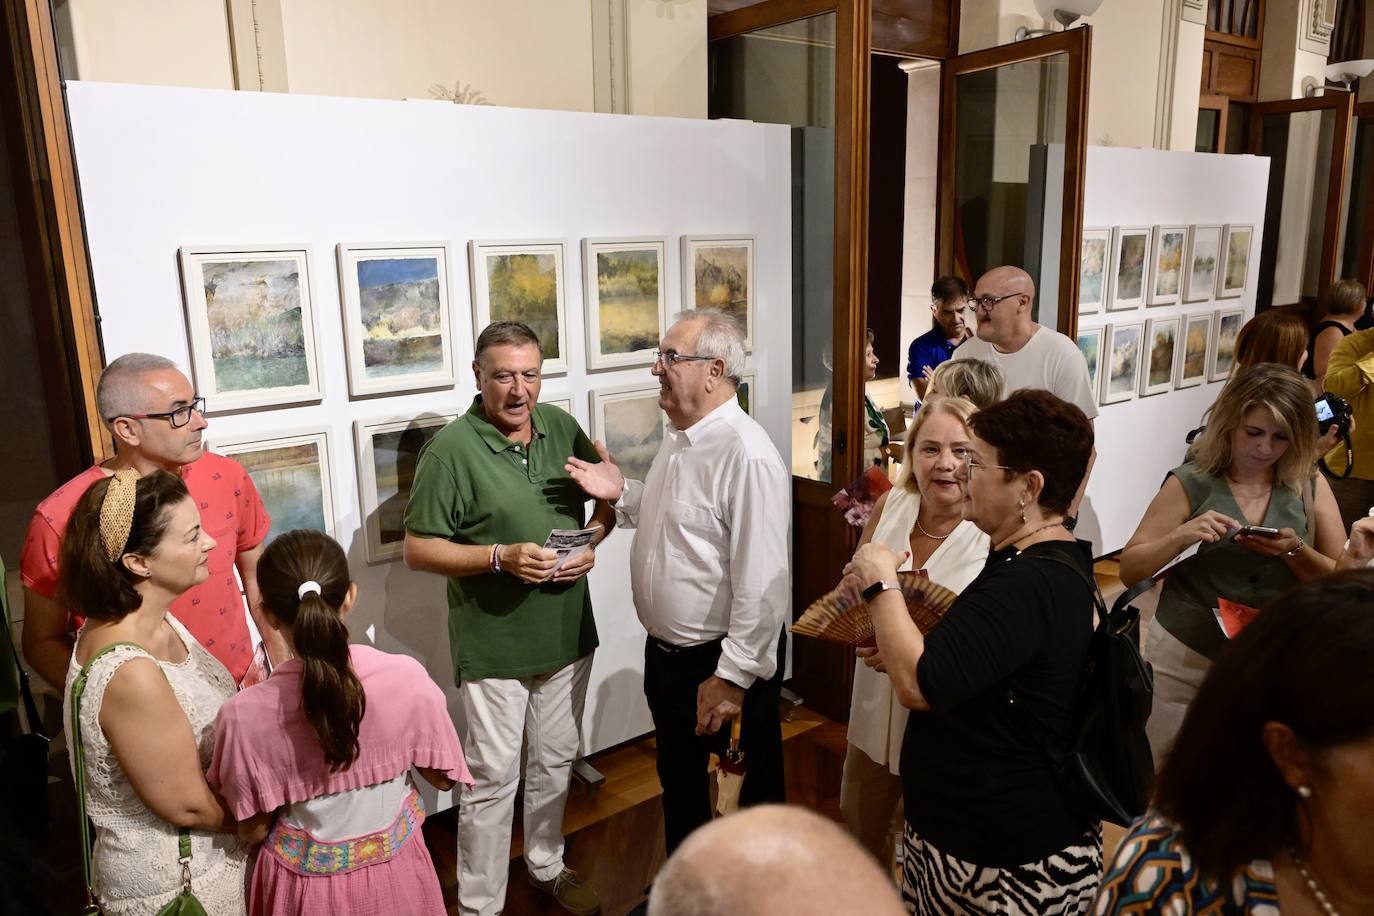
(1064, 12)
(1348, 71)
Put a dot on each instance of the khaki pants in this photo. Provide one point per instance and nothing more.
(1178, 674)
(869, 797)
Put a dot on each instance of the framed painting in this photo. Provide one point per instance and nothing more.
(1090, 345)
(1235, 260)
(1121, 369)
(522, 281)
(629, 421)
(1224, 334)
(1204, 252)
(292, 474)
(387, 452)
(1192, 356)
(1092, 270)
(563, 403)
(396, 318)
(718, 273)
(250, 322)
(1169, 244)
(1159, 354)
(745, 392)
(626, 301)
(1130, 267)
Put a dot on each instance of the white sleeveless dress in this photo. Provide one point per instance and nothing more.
(877, 720)
(134, 864)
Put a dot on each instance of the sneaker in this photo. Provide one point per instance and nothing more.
(572, 893)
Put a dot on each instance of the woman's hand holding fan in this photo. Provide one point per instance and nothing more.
(842, 615)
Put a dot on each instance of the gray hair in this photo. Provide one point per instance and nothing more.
(508, 333)
(120, 391)
(720, 338)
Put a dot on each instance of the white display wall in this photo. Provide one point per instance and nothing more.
(1140, 440)
(162, 168)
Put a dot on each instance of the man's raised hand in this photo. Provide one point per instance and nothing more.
(599, 480)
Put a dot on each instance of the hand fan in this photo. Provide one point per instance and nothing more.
(842, 615)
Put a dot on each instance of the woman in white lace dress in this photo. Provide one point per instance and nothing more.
(148, 710)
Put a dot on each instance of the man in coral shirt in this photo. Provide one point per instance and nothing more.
(152, 411)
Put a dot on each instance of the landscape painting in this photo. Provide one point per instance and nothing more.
(388, 451)
(1203, 256)
(522, 281)
(1090, 345)
(625, 300)
(1227, 329)
(1130, 267)
(1197, 335)
(396, 317)
(1092, 270)
(291, 474)
(1166, 273)
(718, 273)
(744, 393)
(1236, 266)
(1122, 362)
(251, 326)
(630, 422)
(1161, 342)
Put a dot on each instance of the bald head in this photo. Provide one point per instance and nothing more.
(1008, 279)
(772, 859)
(125, 387)
(1006, 322)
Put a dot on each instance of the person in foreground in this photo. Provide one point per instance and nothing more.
(315, 762)
(923, 516)
(1251, 466)
(771, 860)
(708, 569)
(1266, 804)
(992, 688)
(134, 545)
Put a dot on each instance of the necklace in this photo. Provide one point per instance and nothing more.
(934, 537)
(1312, 885)
(1058, 524)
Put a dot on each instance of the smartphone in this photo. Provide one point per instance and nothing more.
(1259, 531)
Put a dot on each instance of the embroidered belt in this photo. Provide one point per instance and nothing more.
(305, 855)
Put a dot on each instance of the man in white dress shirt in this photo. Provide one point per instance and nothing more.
(708, 569)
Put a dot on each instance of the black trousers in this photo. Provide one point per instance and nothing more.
(671, 677)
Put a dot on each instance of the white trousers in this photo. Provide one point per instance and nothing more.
(1178, 675)
(542, 714)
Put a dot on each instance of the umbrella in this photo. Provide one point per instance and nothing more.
(730, 773)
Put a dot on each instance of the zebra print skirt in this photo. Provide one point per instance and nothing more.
(1063, 884)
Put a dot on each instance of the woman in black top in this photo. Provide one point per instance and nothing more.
(1345, 303)
(992, 688)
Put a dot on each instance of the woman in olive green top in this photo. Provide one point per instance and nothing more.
(1252, 465)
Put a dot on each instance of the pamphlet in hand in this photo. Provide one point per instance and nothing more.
(568, 543)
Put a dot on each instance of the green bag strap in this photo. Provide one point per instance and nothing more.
(79, 753)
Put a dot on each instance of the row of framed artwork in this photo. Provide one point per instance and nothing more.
(1134, 358)
(1124, 267)
(255, 342)
(293, 473)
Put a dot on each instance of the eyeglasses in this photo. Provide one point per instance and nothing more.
(178, 418)
(970, 464)
(984, 304)
(670, 358)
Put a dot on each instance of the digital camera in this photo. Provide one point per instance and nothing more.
(1333, 410)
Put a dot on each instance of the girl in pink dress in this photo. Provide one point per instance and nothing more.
(315, 761)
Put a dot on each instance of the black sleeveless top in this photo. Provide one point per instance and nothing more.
(1307, 369)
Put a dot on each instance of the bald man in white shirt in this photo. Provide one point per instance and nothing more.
(708, 569)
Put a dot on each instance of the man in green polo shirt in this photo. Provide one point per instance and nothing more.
(488, 489)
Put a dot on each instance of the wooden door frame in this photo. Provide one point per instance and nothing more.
(1077, 44)
(1343, 104)
(1364, 265)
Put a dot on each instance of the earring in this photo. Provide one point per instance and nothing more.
(1023, 510)
(1304, 792)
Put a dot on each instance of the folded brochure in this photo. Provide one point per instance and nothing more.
(1233, 617)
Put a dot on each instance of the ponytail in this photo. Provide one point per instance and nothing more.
(331, 694)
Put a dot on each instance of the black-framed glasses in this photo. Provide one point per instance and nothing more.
(984, 304)
(671, 357)
(178, 418)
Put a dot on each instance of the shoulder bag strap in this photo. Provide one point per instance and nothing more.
(25, 688)
(1309, 509)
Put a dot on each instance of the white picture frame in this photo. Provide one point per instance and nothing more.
(294, 498)
(613, 409)
(1192, 362)
(722, 254)
(1203, 263)
(403, 282)
(746, 393)
(563, 401)
(1094, 269)
(634, 313)
(1225, 330)
(550, 321)
(1090, 345)
(1168, 251)
(1130, 268)
(384, 519)
(1121, 361)
(1154, 361)
(250, 288)
(1237, 246)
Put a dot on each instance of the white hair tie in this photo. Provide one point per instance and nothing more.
(306, 588)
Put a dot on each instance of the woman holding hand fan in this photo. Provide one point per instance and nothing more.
(922, 516)
(992, 687)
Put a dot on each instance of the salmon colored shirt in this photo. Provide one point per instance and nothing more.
(231, 512)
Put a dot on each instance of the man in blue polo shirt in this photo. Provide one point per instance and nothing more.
(947, 303)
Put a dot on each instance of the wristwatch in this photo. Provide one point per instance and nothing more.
(877, 588)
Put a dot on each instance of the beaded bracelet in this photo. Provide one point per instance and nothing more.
(496, 558)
